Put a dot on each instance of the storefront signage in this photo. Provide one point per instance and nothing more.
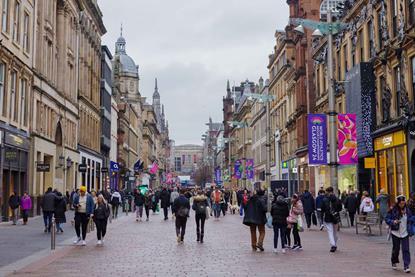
(104, 169)
(347, 140)
(42, 167)
(250, 169)
(370, 163)
(82, 168)
(11, 154)
(114, 167)
(285, 165)
(16, 140)
(238, 169)
(317, 137)
(390, 140)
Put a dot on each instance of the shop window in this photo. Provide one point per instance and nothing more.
(390, 171)
(401, 182)
(382, 170)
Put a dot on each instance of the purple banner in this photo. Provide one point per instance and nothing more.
(218, 175)
(317, 139)
(238, 169)
(250, 169)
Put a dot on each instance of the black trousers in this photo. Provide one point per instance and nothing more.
(288, 236)
(200, 224)
(101, 228)
(147, 208)
(308, 220)
(296, 234)
(351, 216)
(166, 212)
(115, 211)
(396, 245)
(81, 221)
(181, 226)
(25, 215)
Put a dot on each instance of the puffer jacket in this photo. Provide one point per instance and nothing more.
(279, 212)
(296, 210)
(200, 204)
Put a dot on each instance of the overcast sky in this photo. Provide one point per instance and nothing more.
(193, 47)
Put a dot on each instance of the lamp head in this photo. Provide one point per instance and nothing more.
(299, 29)
(317, 34)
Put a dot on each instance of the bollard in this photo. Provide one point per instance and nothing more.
(53, 235)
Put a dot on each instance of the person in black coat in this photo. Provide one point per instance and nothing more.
(14, 203)
(60, 209)
(309, 206)
(279, 213)
(139, 200)
(352, 206)
(181, 209)
(165, 202)
(48, 208)
(255, 218)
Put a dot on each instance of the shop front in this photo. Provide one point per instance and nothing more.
(289, 172)
(392, 164)
(91, 177)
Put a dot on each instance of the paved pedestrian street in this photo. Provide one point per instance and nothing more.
(150, 249)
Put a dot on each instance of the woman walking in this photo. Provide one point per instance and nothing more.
(255, 218)
(60, 209)
(401, 223)
(383, 200)
(200, 204)
(148, 203)
(101, 214)
(293, 218)
(26, 205)
(280, 212)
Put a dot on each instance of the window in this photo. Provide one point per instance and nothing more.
(372, 50)
(380, 37)
(13, 87)
(23, 102)
(412, 12)
(362, 46)
(394, 12)
(5, 16)
(397, 75)
(339, 63)
(26, 35)
(16, 22)
(3, 97)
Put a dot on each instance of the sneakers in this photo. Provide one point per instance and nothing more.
(394, 267)
(296, 247)
(179, 239)
(284, 251)
(321, 227)
(275, 251)
(99, 242)
(83, 243)
(333, 249)
(407, 270)
(77, 241)
(260, 247)
(147, 219)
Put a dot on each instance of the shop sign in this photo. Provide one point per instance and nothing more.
(104, 169)
(82, 168)
(370, 163)
(347, 139)
(317, 137)
(42, 167)
(295, 170)
(285, 165)
(390, 140)
(16, 140)
(114, 167)
(10, 155)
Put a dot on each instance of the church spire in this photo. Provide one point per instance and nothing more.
(156, 93)
(120, 44)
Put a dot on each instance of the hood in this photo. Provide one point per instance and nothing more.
(307, 195)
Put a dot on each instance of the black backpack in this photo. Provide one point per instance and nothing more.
(183, 212)
(201, 207)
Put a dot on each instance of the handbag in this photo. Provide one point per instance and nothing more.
(269, 221)
(300, 224)
(207, 212)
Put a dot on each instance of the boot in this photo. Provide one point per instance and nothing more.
(198, 237)
(201, 238)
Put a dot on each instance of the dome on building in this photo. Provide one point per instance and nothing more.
(127, 64)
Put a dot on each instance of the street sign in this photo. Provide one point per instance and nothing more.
(42, 167)
(104, 169)
(114, 167)
(82, 168)
(370, 163)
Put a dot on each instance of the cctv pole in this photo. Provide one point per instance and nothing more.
(332, 109)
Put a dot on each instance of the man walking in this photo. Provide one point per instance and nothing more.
(84, 209)
(331, 216)
(352, 205)
(173, 196)
(139, 200)
(48, 208)
(319, 203)
(165, 202)
(115, 203)
(309, 206)
(216, 199)
(14, 203)
(181, 209)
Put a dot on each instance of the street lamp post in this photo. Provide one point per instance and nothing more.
(329, 28)
(241, 125)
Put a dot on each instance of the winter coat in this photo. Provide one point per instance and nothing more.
(148, 199)
(26, 203)
(383, 200)
(173, 196)
(394, 214)
(234, 198)
(60, 209)
(367, 205)
(101, 211)
(116, 198)
(319, 201)
(351, 204)
(165, 198)
(89, 203)
(331, 204)
(279, 212)
(48, 203)
(14, 201)
(295, 211)
(255, 210)
(200, 204)
(139, 199)
(181, 203)
(308, 203)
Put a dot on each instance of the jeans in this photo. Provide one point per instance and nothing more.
(181, 226)
(47, 219)
(15, 215)
(115, 211)
(296, 234)
(308, 220)
(217, 209)
(224, 207)
(81, 220)
(260, 241)
(281, 229)
(166, 212)
(101, 228)
(241, 210)
(200, 225)
(406, 255)
(332, 232)
(147, 208)
(138, 211)
(319, 217)
(25, 215)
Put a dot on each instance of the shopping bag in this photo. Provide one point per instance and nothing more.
(207, 212)
(269, 221)
(300, 224)
(314, 218)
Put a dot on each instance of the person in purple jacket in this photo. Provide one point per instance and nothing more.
(26, 205)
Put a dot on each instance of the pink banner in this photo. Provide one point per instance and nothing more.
(347, 140)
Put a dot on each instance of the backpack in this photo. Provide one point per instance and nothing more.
(183, 212)
(335, 209)
(200, 208)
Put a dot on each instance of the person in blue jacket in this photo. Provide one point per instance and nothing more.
(84, 209)
(401, 223)
(319, 203)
